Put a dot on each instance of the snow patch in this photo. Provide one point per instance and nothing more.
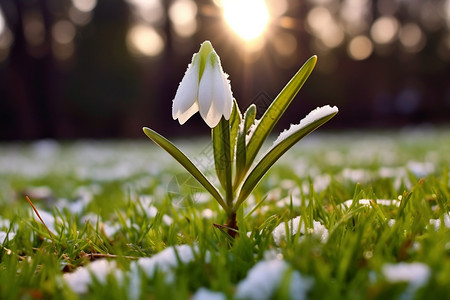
(251, 130)
(80, 280)
(206, 294)
(264, 278)
(416, 274)
(318, 230)
(366, 202)
(4, 234)
(437, 222)
(316, 114)
(48, 219)
(166, 260)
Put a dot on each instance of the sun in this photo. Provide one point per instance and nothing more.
(248, 18)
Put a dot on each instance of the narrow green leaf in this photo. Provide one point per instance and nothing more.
(222, 159)
(186, 163)
(250, 116)
(274, 153)
(235, 120)
(276, 110)
(241, 148)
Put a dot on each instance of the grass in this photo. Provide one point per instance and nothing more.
(122, 201)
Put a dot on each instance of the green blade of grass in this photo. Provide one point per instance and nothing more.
(276, 110)
(186, 163)
(275, 153)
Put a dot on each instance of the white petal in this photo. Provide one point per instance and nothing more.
(182, 118)
(228, 107)
(214, 115)
(205, 91)
(184, 103)
(219, 92)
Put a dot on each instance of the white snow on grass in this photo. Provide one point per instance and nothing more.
(99, 270)
(4, 235)
(366, 202)
(318, 230)
(48, 219)
(356, 175)
(166, 260)
(312, 117)
(251, 130)
(437, 222)
(421, 169)
(416, 274)
(265, 277)
(206, 294)
(208, 213)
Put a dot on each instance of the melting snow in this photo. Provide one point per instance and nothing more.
(416, 274)
(420, 169)
(166, 260)
(318, 230)
(80, 280)
(251, 130)
(356, 175)
(437, 222)
(205, 294)
(208, 213)
(3, 236)
(313, 116)
(366, 202)
(264, 278)
(48, 219)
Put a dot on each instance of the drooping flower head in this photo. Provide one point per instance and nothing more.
(205, 88)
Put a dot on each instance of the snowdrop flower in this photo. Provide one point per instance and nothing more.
(204, 88)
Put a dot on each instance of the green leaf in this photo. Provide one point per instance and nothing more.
(235, 120)
(241, 148)
(275, 152)
(222, 159)
(186, 163)
(276, 110)
(250, 116)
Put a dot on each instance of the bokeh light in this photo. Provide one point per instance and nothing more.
(149, 11)
(84, 5)
(182, 14)
(384, 30)
(144, 40)
(63, 32)
(360, 47)
(324, 26)
(412, 37)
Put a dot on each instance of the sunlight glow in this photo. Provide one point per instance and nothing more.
(248, 18)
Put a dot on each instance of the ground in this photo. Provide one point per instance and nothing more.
(355, 215)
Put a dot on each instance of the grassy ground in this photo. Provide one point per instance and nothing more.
(342, 216)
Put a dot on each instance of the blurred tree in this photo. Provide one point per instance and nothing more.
(105, 80)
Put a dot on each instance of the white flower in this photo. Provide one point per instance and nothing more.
(204, 88)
